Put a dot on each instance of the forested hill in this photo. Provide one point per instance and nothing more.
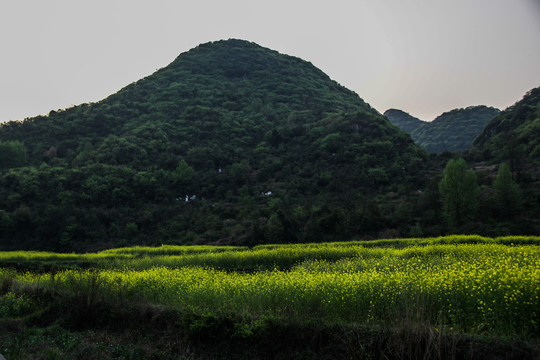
(230, 143)
(197, 95)
(513, 135)
(403, 120)
(453, 131)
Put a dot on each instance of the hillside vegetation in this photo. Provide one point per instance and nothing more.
(453, 131)
(514, 134)
(230, 142)
(403, 120)
(236, 144)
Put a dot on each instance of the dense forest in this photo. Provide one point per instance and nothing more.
(453, 131)
(513, 135)
(403, 120)
(232, 143)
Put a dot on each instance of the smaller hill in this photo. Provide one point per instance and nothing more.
(452, 131)
(403, 120)
(514, 134)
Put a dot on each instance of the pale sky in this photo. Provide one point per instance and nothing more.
(421, 56)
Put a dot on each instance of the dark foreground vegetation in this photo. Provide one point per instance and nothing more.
(454, 297)
(143, 331)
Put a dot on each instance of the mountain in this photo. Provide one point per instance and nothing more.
(230, 143)
(403, 120)
(514, 134)
(453, 131)
(194, 96)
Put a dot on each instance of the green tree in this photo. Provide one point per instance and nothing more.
(459, 193)
(416, 231)
(12, 154)
(6, 223)
(131, 230)
(183, 173)
(275, 229)
(508, 194)
(240, 171)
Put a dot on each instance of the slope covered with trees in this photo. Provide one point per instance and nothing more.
(232, 142)
(403, 120)
(453, 131)
(513, 135)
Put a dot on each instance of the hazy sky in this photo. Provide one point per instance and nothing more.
(422, 56)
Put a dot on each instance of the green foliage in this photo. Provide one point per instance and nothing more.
(464, 301)
(403, 120)
(472, 284)
(513, 135)
(246, 133)
(183, 172)
(231, 258)
(509, 199)
(459, 193)
(453, 131)
(12, 154)
(250, 136)
(416, 231)
(13, 305)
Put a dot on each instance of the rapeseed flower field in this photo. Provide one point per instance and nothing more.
(477, 285)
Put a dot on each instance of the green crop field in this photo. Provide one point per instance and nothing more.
(455, 285)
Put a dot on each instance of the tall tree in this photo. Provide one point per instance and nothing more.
(12, 154)
(459, 193)
(183, 173)
(509, 198)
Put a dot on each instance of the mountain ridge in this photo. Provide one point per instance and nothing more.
(452, 131)
(514, 133)
(403, 120)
